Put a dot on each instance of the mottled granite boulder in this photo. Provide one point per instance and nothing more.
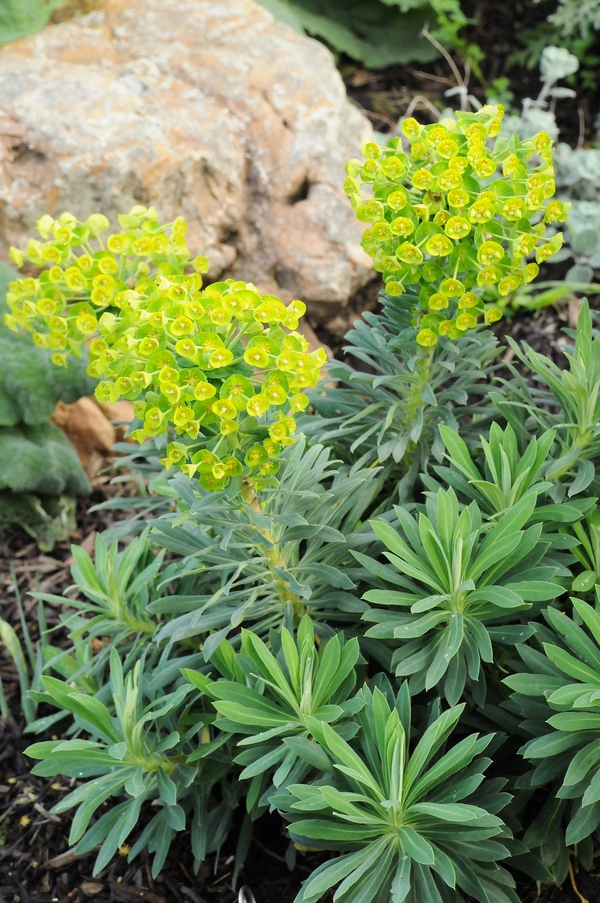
(205, 108)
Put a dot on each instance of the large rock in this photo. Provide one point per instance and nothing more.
(205, 108)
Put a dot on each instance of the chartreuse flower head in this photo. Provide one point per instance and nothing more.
(475, 207)
(221, 368)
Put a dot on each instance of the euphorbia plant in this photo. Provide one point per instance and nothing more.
(455, 221)
(276, 712)
(221, 368)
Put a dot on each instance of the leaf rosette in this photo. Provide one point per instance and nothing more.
(457, 586)
(412, 825)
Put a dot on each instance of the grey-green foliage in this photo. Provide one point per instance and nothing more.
(457, 588)
(556, 64)
(566, 400)
(114, 591)
(577, 177)
(19, 18)
(40, 459)
(556, 697)
(116, 587)
(578, 180)
(386, 409)
(463, 580)
(510, 473)
(378, 32)
(31, 385)
(262, 566)
(576, 17)
(587, 553)
(577, 169)
(412, 825)
(267, 697)
(140, 743)
(513, 467)
(571, 24)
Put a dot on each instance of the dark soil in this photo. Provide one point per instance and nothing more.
(38, 866)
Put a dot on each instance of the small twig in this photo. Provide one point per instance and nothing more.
(581, 137)
(268, 851)
(417, 99)
(443, 79)
(467, 76)
(574, 886)
(65, 858)
(459, 79)
(47, 815)
(221, 879)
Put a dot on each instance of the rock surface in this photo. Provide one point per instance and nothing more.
(206, 108)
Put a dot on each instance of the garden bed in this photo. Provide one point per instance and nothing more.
(36, 863)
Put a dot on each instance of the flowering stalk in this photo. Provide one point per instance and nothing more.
(221, 367)
(454, 221)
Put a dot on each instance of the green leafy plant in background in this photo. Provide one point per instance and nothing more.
(40, 460)
(379, 33)
(571, 26)
(19, 18)
(576, 16)
(556, 64)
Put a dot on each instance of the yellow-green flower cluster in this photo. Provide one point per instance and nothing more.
(457, 216)
(222, 368)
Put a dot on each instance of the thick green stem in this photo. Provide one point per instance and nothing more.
(581, 441)
(414, 402)
(273, 555)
